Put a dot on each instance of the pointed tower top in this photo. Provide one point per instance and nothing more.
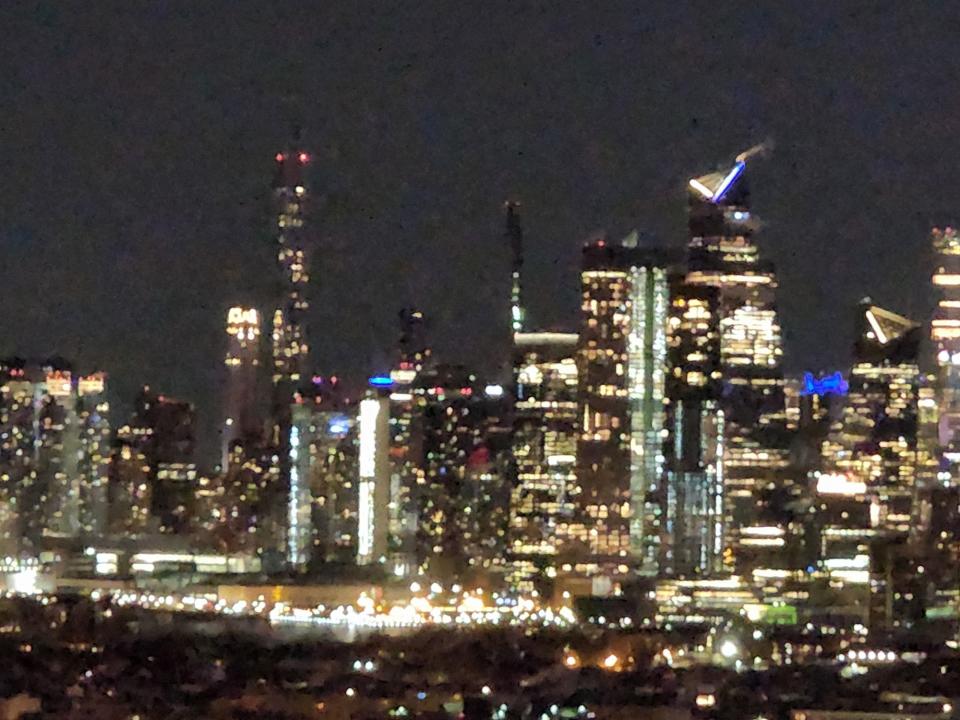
(885, 337)
(291, 162)
(715, 186)
(885, 326)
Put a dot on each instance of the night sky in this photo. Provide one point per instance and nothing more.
(137, 143)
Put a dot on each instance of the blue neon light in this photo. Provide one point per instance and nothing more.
(338, 425)
(827, 384)
(381, 381)
(729, 180)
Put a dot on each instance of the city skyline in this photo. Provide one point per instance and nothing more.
(130, 188)
(480, 361)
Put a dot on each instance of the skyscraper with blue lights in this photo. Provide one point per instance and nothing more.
(722, 255)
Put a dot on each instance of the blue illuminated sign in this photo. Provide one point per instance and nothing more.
(827, 384)
(381, 381)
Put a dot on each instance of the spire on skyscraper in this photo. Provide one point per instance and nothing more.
(514, 235)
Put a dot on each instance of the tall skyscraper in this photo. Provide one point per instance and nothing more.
(58, 452)
(723, 255)
(321, 504)
(93, 417)
(54, 451)
(290, 349)
(879, 436)
(514, 236)
(646, 375)
(815, 405)
(129, 491)
(945, 334)
(406, 443)
(545, 452)
(240, 422)
(17, 453)
(621, 373)
(373, 481)
(289, 345)
(299, 525)
(161, 432)
(693, 525)
(461, 514)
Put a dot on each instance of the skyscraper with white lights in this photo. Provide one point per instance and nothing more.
(240, 421)
(288, 344)
(621, 365)
(544, 450)
(945, 336)
(723, 256)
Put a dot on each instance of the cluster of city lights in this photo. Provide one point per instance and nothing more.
(461, 609)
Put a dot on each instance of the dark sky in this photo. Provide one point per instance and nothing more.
(136, 146)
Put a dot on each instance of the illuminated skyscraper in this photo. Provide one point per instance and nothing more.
(321, 505)
(545, 453)
(58, 452)
(161, 432)
(54, 453)
(240, 423)
(290, 349)
(17, 452)
(128, 491)
(943, 539)
(414, 351)
(514, 236)
(621, 374)
(815, 405)
(461, 516)
(373, 481)
(94, 460)
(406, 444)
(338, 493)
(289, 346)
(692, 532)
(235, 499)
(933, 465)
(945, 334)
(844, 508)
(879, 434)
(722, 255)
(299, 526)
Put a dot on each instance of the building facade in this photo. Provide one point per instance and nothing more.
(290, 350)
(544, 450)
(462, 494)
(621, 363)
(241, 423)
(723, 256)
(54, 452)
(878, 445)
(693, 503)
